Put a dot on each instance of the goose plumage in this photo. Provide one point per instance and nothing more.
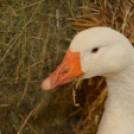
(102, 51)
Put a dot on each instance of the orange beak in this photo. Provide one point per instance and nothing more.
(67, 71)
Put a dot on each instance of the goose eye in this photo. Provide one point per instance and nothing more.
(94, 50)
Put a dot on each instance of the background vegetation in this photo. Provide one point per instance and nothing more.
(34, 35)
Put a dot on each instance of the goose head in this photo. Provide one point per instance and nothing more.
(98, 51)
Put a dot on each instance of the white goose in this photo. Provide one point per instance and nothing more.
(101, 51)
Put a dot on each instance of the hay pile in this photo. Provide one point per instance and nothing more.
(120, 16)
(33, 38)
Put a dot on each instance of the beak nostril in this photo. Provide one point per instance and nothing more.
(64, 72)
(65, 69)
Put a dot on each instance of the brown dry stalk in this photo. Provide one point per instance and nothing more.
(25, 122)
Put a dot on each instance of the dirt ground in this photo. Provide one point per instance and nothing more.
(34, 36)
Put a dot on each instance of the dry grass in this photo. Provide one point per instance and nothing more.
(30, 38)
(33, 38)
(120, 16)
(115, 14)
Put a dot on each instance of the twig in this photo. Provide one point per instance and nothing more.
(28, 124)
(25, 122)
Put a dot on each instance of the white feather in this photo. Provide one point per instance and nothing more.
(115, 61)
